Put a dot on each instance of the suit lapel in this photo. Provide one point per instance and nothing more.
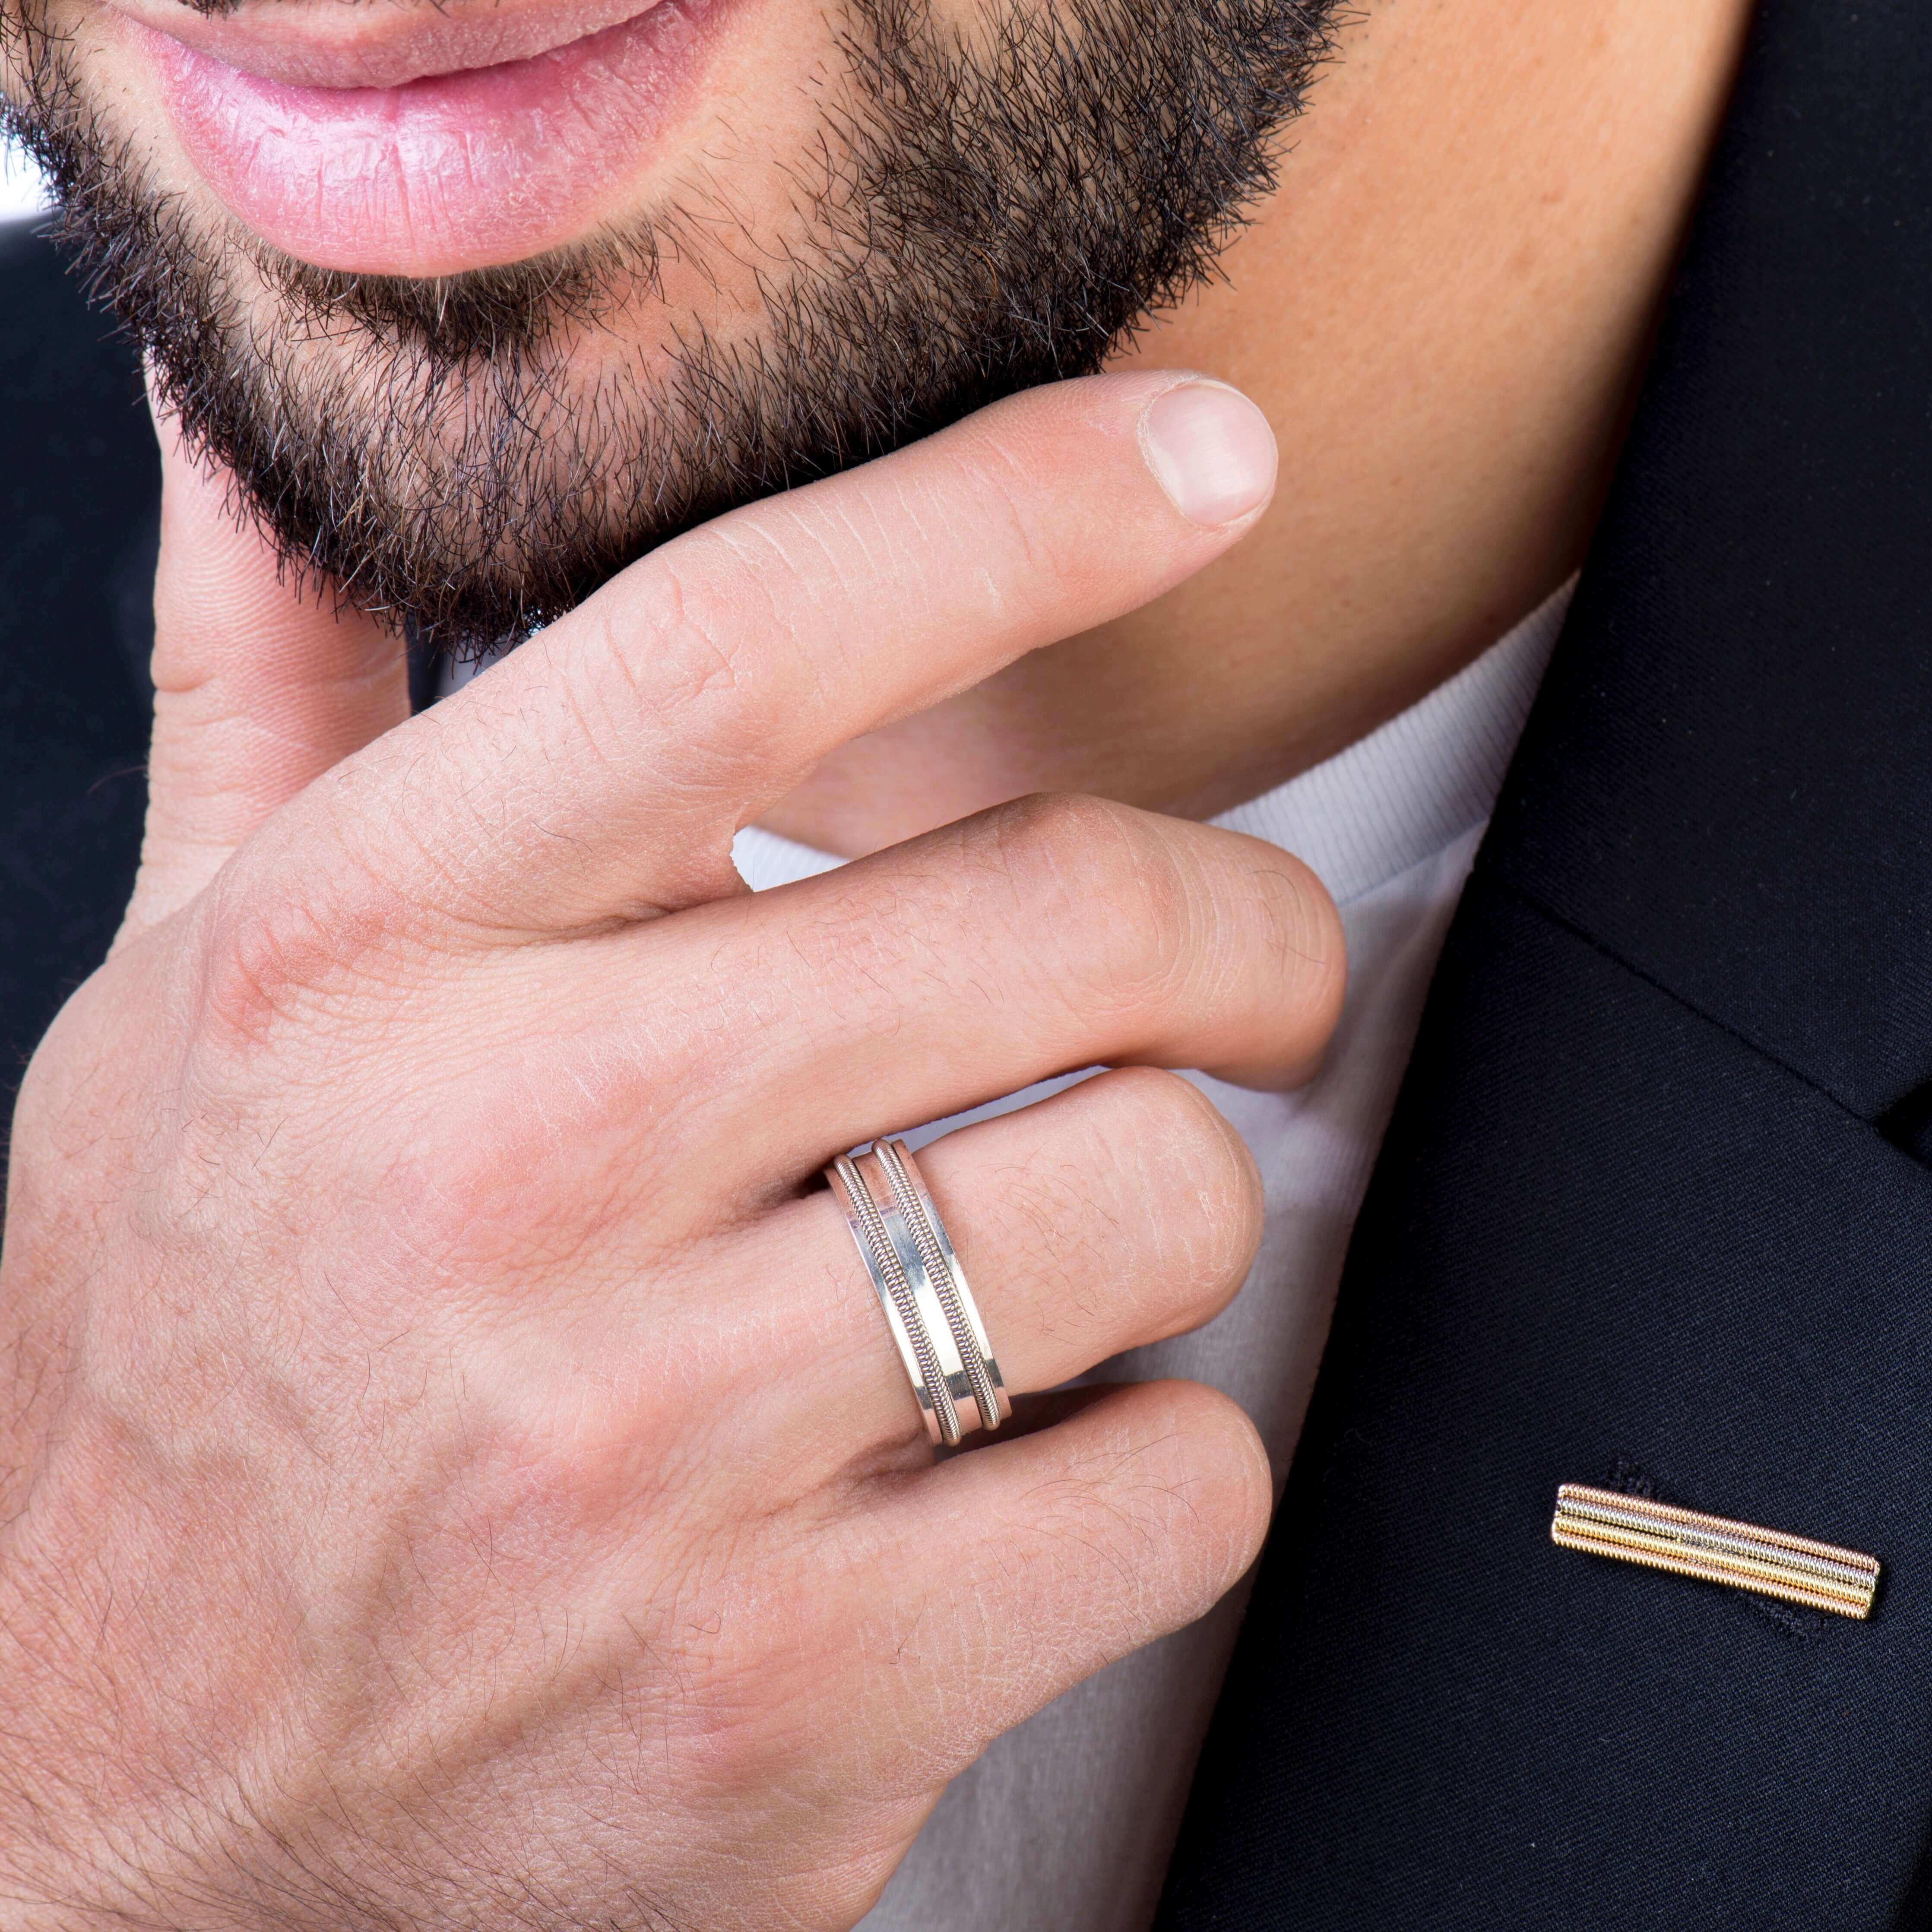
(1649, 1214)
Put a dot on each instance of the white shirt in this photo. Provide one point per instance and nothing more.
(1067, 1822)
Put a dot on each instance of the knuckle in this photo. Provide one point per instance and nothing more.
(1267, 953)
(1205, 1475)
(1166, 1141)
(674, 659)
(274, 942)
(1107, 873)
(1212, 1205)
(1170, 1490)
(1230, 1484)
(1305, 931)
(1049, 828)
(1296, 921)
(486, 1215)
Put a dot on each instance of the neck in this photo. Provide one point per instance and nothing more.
(1443, 309)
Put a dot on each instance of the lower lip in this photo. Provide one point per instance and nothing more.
(447, 173)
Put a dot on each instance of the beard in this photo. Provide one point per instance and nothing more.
(472, 455)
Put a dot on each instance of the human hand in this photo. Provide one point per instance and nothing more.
(454, 1470)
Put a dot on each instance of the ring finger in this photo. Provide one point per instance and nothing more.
(1120, 1211)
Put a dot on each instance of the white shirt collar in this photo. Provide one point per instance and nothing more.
(1387, 801)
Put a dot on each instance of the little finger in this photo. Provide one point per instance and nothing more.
(1004, 1578)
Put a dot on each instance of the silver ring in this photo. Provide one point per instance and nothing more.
(910, 1259)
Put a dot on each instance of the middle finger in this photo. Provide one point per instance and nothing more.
(1035, 939)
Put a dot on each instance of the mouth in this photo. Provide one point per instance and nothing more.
(357, 46)
(422, 140)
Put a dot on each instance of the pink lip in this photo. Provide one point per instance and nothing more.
(312, 45)
(445, 171)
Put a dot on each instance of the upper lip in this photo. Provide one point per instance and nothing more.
(378, 43)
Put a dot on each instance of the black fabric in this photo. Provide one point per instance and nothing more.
(1649, 1213)
(80, 506)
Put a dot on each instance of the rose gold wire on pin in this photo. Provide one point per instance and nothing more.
(1715, 1549)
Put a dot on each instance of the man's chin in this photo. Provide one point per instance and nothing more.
(473, 451)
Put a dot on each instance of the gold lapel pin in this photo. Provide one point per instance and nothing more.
(1819, 1575)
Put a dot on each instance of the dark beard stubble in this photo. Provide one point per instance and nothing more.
(972, 223)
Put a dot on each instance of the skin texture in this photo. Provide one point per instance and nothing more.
(769, 248)
(416, 1505)
(419, 1506)
(1441, 312)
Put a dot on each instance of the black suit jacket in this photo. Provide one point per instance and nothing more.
(1655, 1210)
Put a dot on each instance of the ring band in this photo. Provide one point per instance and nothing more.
(878, 1252)
(942, 1264)
(935, 1324)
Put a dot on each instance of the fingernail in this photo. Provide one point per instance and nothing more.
(1211, 449)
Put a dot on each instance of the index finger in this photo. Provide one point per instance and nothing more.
(601, 770)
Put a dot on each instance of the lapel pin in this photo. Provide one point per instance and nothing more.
(1820, 1575)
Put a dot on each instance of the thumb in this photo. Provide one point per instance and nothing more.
(260, 685)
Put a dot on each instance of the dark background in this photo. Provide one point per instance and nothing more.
(79, 523)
